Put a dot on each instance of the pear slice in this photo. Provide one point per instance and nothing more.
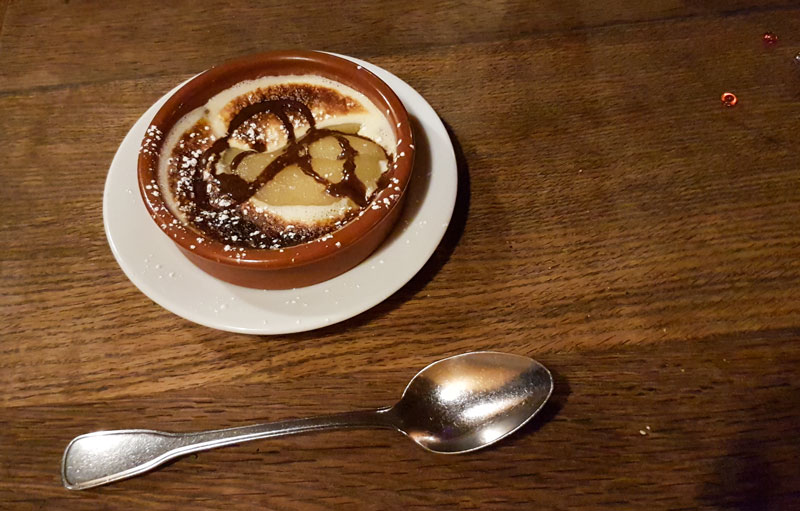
(369, 170)
(250, 167)
(332, 170)
(253, 164)
(225, 159)
(350, 128)
(327, 148)
(292, 187)
(366, 147)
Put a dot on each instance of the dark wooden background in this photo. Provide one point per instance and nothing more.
(614, 221)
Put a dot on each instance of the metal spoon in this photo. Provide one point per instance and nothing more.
(455, 405)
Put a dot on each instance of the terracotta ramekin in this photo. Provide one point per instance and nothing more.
(304, 264)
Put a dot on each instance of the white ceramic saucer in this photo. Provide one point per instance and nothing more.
(153, 263)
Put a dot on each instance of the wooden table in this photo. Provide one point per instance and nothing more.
(614, 221)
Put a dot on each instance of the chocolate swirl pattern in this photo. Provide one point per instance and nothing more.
(216, 198)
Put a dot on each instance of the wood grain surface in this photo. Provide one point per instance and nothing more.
(614, 221)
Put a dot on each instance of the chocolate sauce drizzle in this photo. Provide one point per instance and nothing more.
(296, 153)
(216, 202)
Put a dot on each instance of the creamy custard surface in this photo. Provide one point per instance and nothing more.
(278, 161)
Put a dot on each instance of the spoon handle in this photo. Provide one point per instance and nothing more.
(103, 457)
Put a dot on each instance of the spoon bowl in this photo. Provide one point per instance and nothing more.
(469, 401)
(455, 405)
